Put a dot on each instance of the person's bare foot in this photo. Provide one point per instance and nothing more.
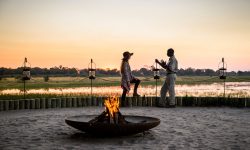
(136, 95)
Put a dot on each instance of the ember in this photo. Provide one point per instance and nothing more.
(112, 114)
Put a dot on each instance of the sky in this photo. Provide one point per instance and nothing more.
(71, 32)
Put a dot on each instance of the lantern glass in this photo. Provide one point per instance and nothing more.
(156, 74)
(222, 74)
(26, 74)
(91, 73)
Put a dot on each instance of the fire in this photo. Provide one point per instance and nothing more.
(112, 114)
(112, 105)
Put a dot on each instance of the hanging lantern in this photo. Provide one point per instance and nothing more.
(222, 69)
(92, 70)
(26, 70)
(156, 71)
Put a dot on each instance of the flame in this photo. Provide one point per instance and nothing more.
(112, 104)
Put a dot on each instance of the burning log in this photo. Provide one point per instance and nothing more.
(112, 114)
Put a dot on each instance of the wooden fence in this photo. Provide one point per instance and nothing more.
(69, 102)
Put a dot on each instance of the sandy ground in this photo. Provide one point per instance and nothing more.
(180, 128)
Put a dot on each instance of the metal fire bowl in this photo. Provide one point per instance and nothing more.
(136, 124)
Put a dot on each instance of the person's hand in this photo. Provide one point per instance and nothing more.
(163, 62)
(157, 61)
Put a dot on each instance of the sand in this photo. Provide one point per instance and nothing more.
(180, 128)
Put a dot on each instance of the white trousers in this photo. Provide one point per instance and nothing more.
(168, 86)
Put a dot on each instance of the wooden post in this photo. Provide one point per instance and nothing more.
(154, 101)
(134, 101)
(63, 102)
(48, 103)
(84, 101)
(139, 101)
(149, 101)
(37, 103)
(21, 104)
(130, 102)
(89, 101)
(69, 102)
(6, 105)
(241, 102)
(177, 101)
(144, 101)
(94, 101)
(16, 104)
(198, 102)
(58, 102)
(1, 105)
(100, 101)
(221, 101)
(184, 99)
(74, 102)
(247, 102)
(43, 103)
(209, 101)
(32, 104)
(233, 102)
(11, 105)
(79, 102)
(53, 103)
(216, 103)
(192, 101)
(27, 103)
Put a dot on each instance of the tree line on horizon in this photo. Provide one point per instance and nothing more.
(74, 72)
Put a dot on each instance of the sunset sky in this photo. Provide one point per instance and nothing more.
(71, 32)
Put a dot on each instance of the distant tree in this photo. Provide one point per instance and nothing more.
(46, 78)
(190, 71)
(65, 71)
(199, 72)
(243, 73)
(209, 72)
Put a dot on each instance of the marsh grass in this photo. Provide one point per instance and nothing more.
(78, 82)
(71, 82)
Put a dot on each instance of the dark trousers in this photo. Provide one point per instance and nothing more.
(136, 82)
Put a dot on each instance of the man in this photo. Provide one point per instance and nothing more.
(127, 76)
(169, 84)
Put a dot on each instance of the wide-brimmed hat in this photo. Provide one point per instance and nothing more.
(126, 54)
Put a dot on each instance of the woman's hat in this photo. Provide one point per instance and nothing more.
(126, 54)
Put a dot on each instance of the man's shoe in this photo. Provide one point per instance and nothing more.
(170, 106)
(161, 105)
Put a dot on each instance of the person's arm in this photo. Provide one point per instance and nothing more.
(171, 65)
(162, 63)
(127, 73)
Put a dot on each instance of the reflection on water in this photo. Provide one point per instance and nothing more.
(241, 89)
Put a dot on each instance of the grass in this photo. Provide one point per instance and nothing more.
(71, 82)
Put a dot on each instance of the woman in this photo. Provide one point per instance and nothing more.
(127, 76)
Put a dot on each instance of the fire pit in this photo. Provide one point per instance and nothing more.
(111, 122)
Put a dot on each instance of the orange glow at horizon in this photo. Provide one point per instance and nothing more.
(70, 33)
